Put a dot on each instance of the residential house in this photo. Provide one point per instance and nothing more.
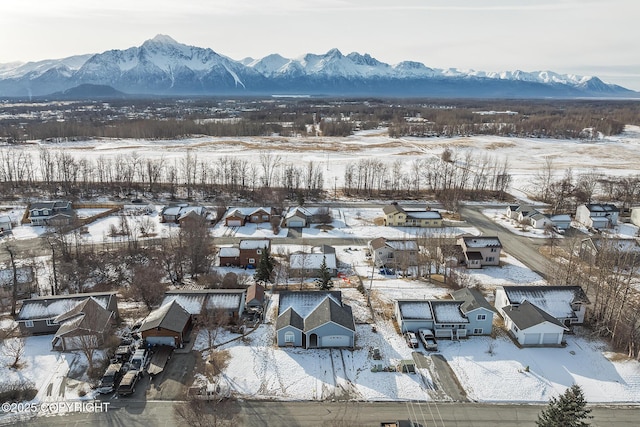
(38, 315)
(517, 212)
(597, 215)
(467, 314)
(167, 325)
(298, 217)
(5, 224)
(394, 253)
(195, 302)
(255, 296)
(538, 221)
(238, 217)
(251, 251)
(539, 315)
(178, 213)
(58, 212)
(480, 251)
(25, 279)
(561, 221)
(88, 324)
(308, 264)
(397, 216)
(621, 252)
(314, 319)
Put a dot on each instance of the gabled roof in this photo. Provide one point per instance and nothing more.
(330, 311)
(51, 205)
(415, 309)
(87, 316)
(195, 300)
(255, 291)
(472, 300)
(448, 312)
(527, 315)
(51, 306)
(171, 316)
(255, 244)
(602, 207)
(392, 208)
(555, 300)
(398, 245)
(290, 318)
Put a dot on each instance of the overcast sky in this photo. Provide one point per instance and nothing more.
(586, 37)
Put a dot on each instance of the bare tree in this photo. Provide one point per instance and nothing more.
(13, 348)
(147, 286)
(212, 320)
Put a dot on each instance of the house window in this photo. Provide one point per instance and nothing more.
(289, 337)
(259, 251)
(265, 217)
(28, 323)
(515, 328)
(493, 249)
(252, 260)
(477, 331)
(482, 317)
(50, 322)
(490, 259)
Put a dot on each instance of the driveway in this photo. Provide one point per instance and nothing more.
(171, 383)
(445, 383)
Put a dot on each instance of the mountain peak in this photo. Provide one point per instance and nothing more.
(164, 39)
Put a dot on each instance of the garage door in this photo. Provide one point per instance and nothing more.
(296, 224)
(161, 341)
(550, 338)
(234, 223)
(335, 341)
(531, 339)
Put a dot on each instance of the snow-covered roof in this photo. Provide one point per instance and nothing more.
(244, 211)
(598, 207)
(310, 261)
(304, 303)
(5, 219)
(50, 307)
(191, 303)
(299, 211)
(402, 245)
(229, 252)
(194, 300)
(227, 301)
(555, 300)
(415, 310)
(254, 244)
(424, 214)
(448, 312)
(481, 242)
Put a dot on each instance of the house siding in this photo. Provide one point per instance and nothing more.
(329, 329)
(474, 323)
(297, 333)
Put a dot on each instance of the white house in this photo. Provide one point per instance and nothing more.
(394, 253)
(5, 223)
(597, 215)
(480, 251)
(539, 315)
(539, 221)
(561, 221)
(635, 215)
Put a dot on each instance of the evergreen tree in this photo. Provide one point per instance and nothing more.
(324, 282)
(264, 271)
(567, 410)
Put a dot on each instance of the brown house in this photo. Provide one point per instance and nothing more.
(168, 325)
(255, 296)
(251, 251)
(238, 217)
(86, 324)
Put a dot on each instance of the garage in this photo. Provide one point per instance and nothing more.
(531, 339)
(161, 341)
(296, 223)
(234, 223)
(335, 341)
(551, 338)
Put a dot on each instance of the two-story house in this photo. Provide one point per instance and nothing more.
(480, 251)
(56, 212)
(597, 215)
(393, 253)
(251, 251)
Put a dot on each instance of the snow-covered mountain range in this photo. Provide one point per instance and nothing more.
(162, 66)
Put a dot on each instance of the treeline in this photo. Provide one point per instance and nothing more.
(156, 119)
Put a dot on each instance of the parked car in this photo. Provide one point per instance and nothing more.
(128, 383)
(386, 271)
(139, 361)
(412, 341)
(111, 378)
(428, 339)
(123, 353)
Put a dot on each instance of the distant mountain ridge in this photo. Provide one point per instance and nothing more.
(161, 66)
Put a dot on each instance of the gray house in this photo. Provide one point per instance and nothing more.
(38, 315)
(86, 324)
(468, 313)
(56, 212)
(480, 251)
(314, 319)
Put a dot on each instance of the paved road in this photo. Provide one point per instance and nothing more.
(267, 414)
(525, 249)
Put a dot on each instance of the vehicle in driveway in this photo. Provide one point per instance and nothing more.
(139, 361)
(412, 341)
(128, 383)
(111, 378)
(428, 339)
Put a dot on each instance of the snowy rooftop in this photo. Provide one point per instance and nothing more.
(481, 242)
(191, 303)
(229, 252)
(194, 301)
(555, 300)
(448, 312)
(254, 244)
(424, 214)
(304, 303)
(45, 308)
(309, 261)
(415, 310)
(247, 211)
(402, 245)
